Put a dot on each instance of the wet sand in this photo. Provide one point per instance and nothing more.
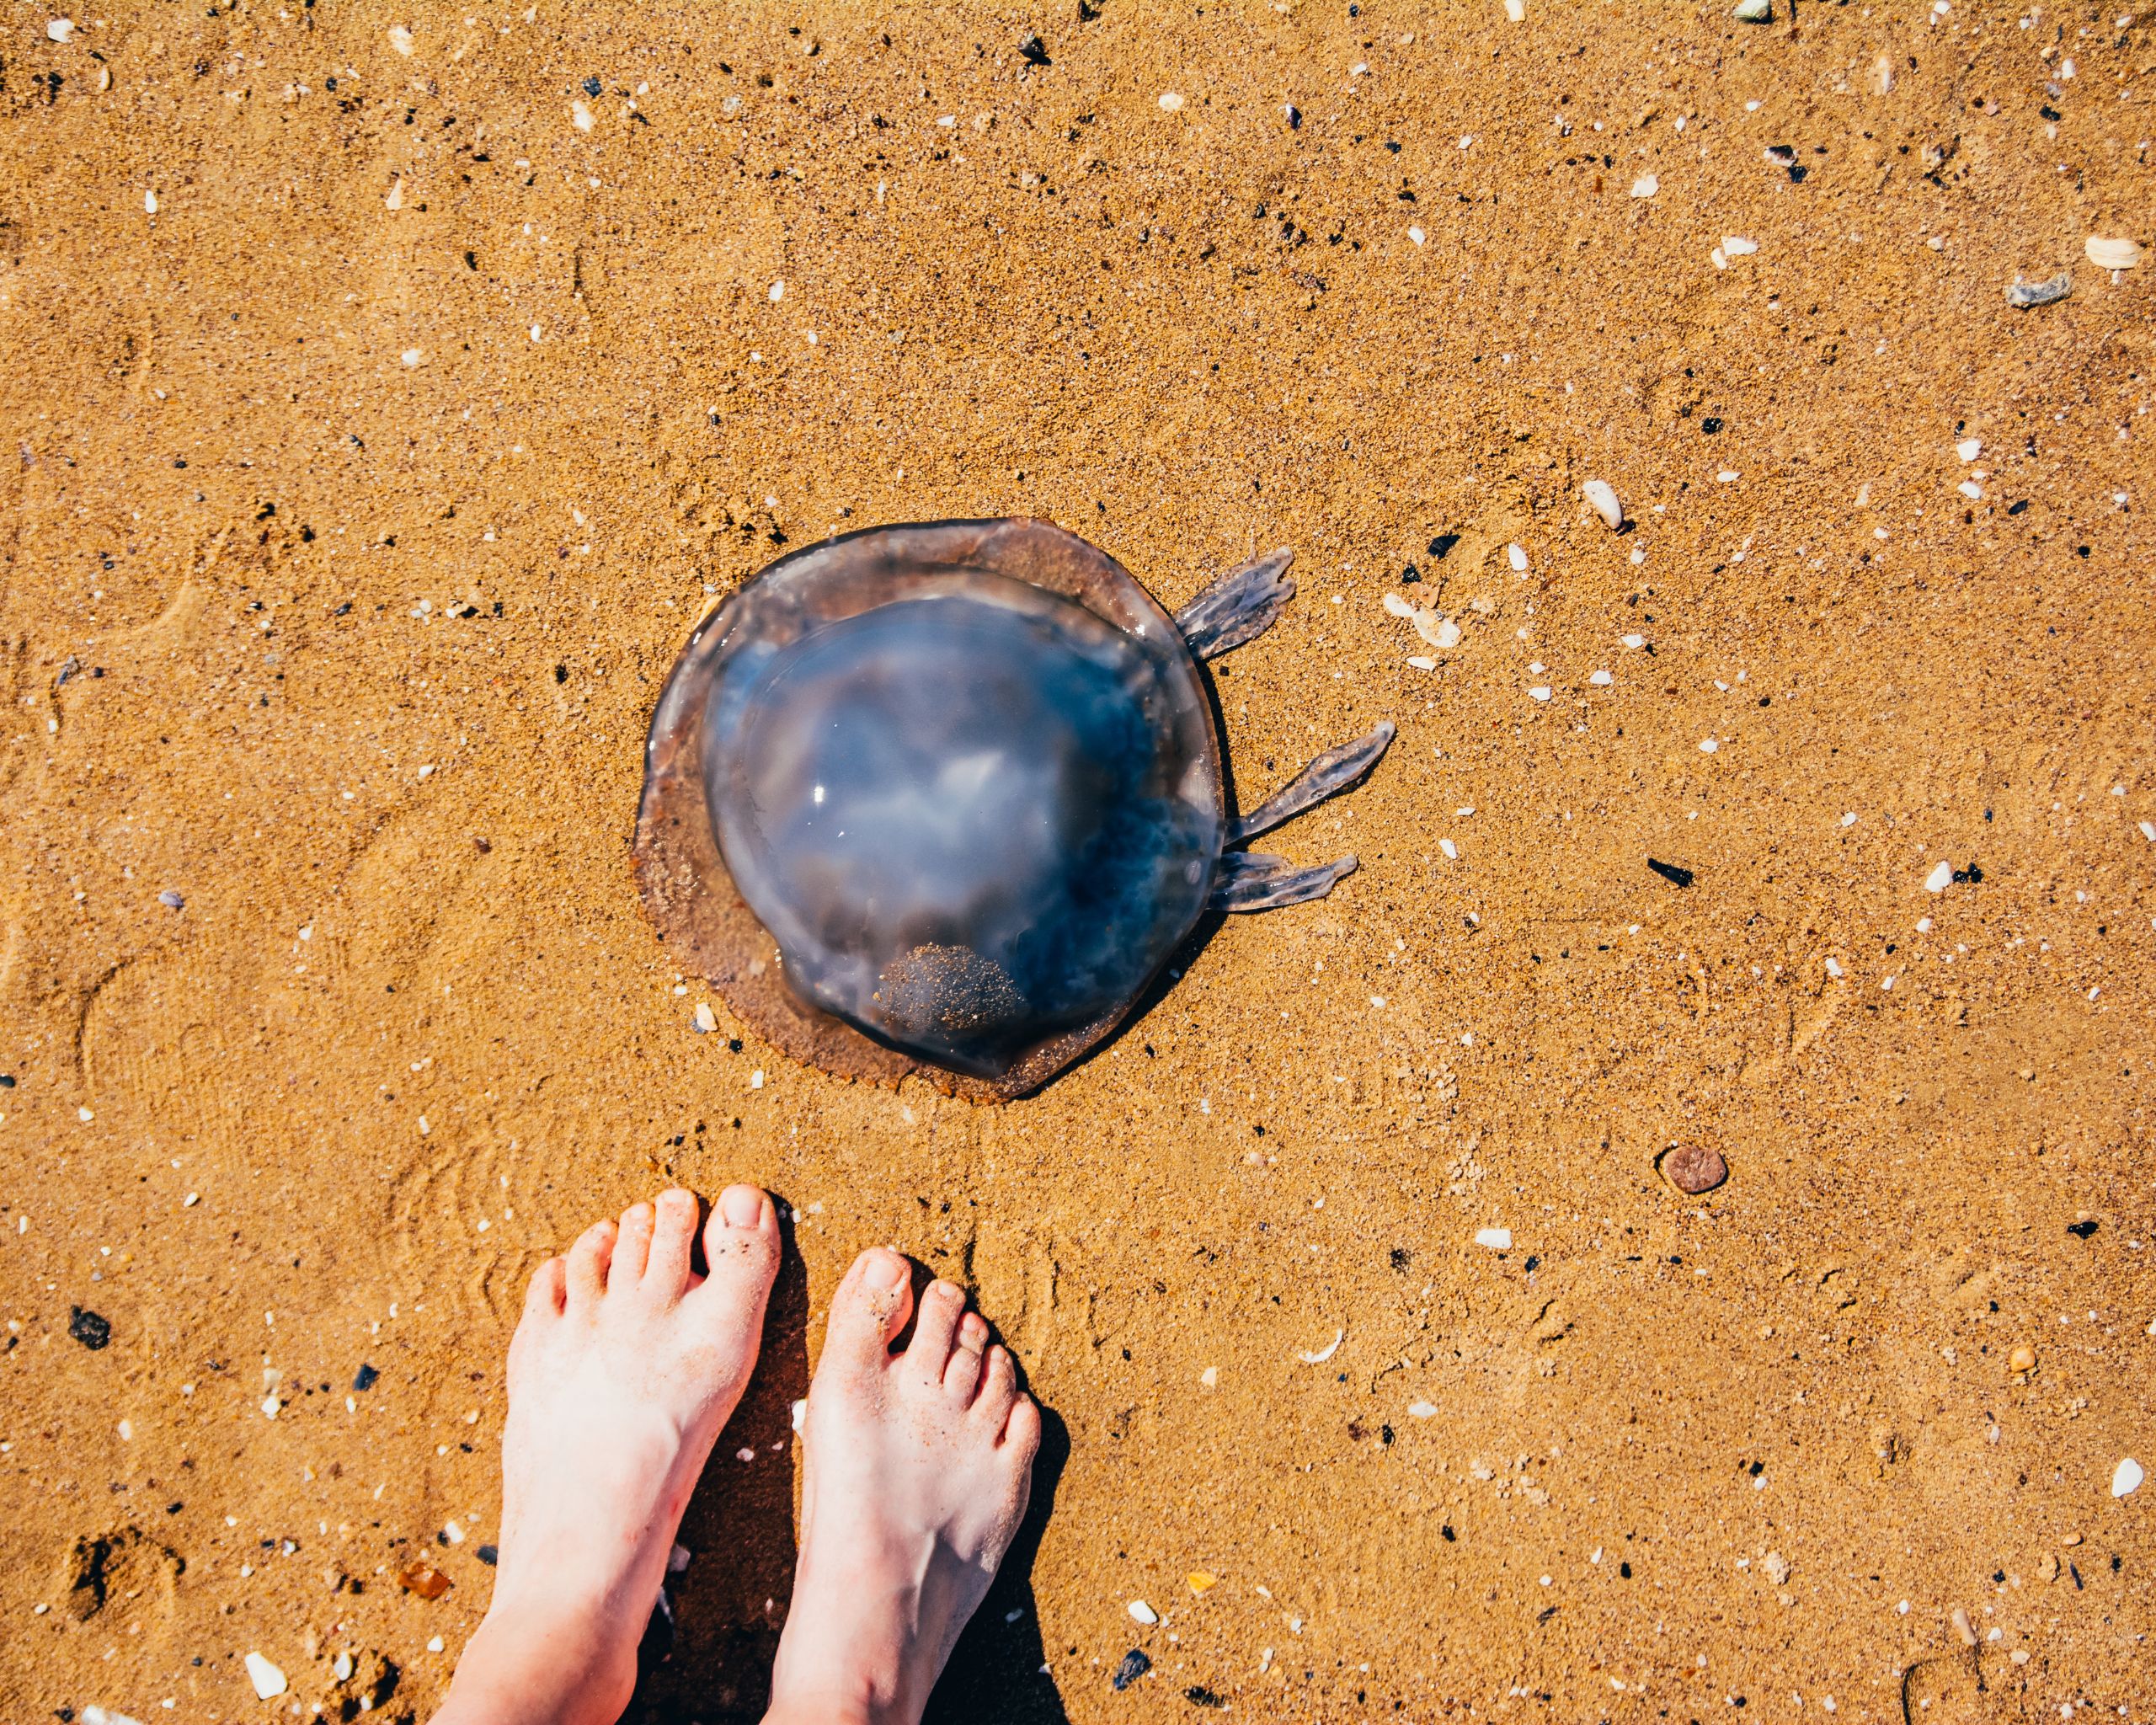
(361, 493)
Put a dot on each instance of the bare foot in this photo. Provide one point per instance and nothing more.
(625, 1367)
(914, 1474)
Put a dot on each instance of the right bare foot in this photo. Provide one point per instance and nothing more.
(915, 1468)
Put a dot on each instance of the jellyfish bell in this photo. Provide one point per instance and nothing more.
(943, 799)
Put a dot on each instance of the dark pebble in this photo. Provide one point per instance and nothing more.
(592, 87)
(88, 1328)
(1671, 872)
(2080, 1231)
(1198, 1695)
(364, 1378)
(1032, 51)
(1694, 1168)
(7, 1080)
(488, 1555)
(171, 900)
(1135, 1666)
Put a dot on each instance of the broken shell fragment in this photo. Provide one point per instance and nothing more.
(2024, 294)
(1599, 493)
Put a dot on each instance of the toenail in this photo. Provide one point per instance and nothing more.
(886, 1270)
(742, 1206)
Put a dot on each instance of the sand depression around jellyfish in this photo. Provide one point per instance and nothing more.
(942, 799)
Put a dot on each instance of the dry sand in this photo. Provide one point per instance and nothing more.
(359, 496)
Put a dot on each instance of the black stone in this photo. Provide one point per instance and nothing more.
(1135, 1666)
(1198, 1695)
(364, 1378)
(488, 1555)
(1671, 872)
(88, 1328)
(2080, 1231)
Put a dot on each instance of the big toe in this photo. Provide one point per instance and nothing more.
(868, 1309)
(741, 1248)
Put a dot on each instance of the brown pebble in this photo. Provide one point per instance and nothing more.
(424, 1579)
(1694, 1168)
(2022, 1359)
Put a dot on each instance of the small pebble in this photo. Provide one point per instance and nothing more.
(1939, 878)
(2125, 1477)
(1496, 1239)
(2022, 1359)
(1141, 1612)
(1516, 555)
(424, 1579)
(1422, 1410)
(1646, 186)
(705, 1021)
(59, 29)
(1171, 103)
(1754, 11)
(93, 1331)
(1778, 1568)
(1135, 1666)
(1694, 1168)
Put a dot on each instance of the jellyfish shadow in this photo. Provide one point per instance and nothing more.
(706, 1657)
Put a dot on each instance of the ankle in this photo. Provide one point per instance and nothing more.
(831, 1706)
(536, 1670)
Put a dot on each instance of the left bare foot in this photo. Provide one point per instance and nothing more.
(623, 1370)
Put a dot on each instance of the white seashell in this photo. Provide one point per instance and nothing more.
(2125, 1477)
(1939, 878)
(1496, 1239)
(1324, 1353)
(1143, 1613)
(1738, 246)
(1422, 1410)
(1646, 186)
(1599, 493)
(2112, 253)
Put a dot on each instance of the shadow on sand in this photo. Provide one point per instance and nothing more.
(707, 1659)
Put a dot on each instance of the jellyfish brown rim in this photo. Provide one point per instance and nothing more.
(691, 894)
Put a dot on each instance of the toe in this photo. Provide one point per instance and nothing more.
(935, 1333)
(549, 1289)
(962, 1376)
(869, 1308)
(673, 1233)
(999, 1389)
(632, 1246)
(1021, 1430)
(586, 1275)
(741, 1248)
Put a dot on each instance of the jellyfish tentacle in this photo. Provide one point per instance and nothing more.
(1252, 881)
(1238, 606)
(1330, 773)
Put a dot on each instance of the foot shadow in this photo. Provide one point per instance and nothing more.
(998, 1673)
(707, 1657)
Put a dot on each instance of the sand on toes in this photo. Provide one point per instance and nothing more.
(625, 1367)
(916, 1467)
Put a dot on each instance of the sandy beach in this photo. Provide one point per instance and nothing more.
(388, 394)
